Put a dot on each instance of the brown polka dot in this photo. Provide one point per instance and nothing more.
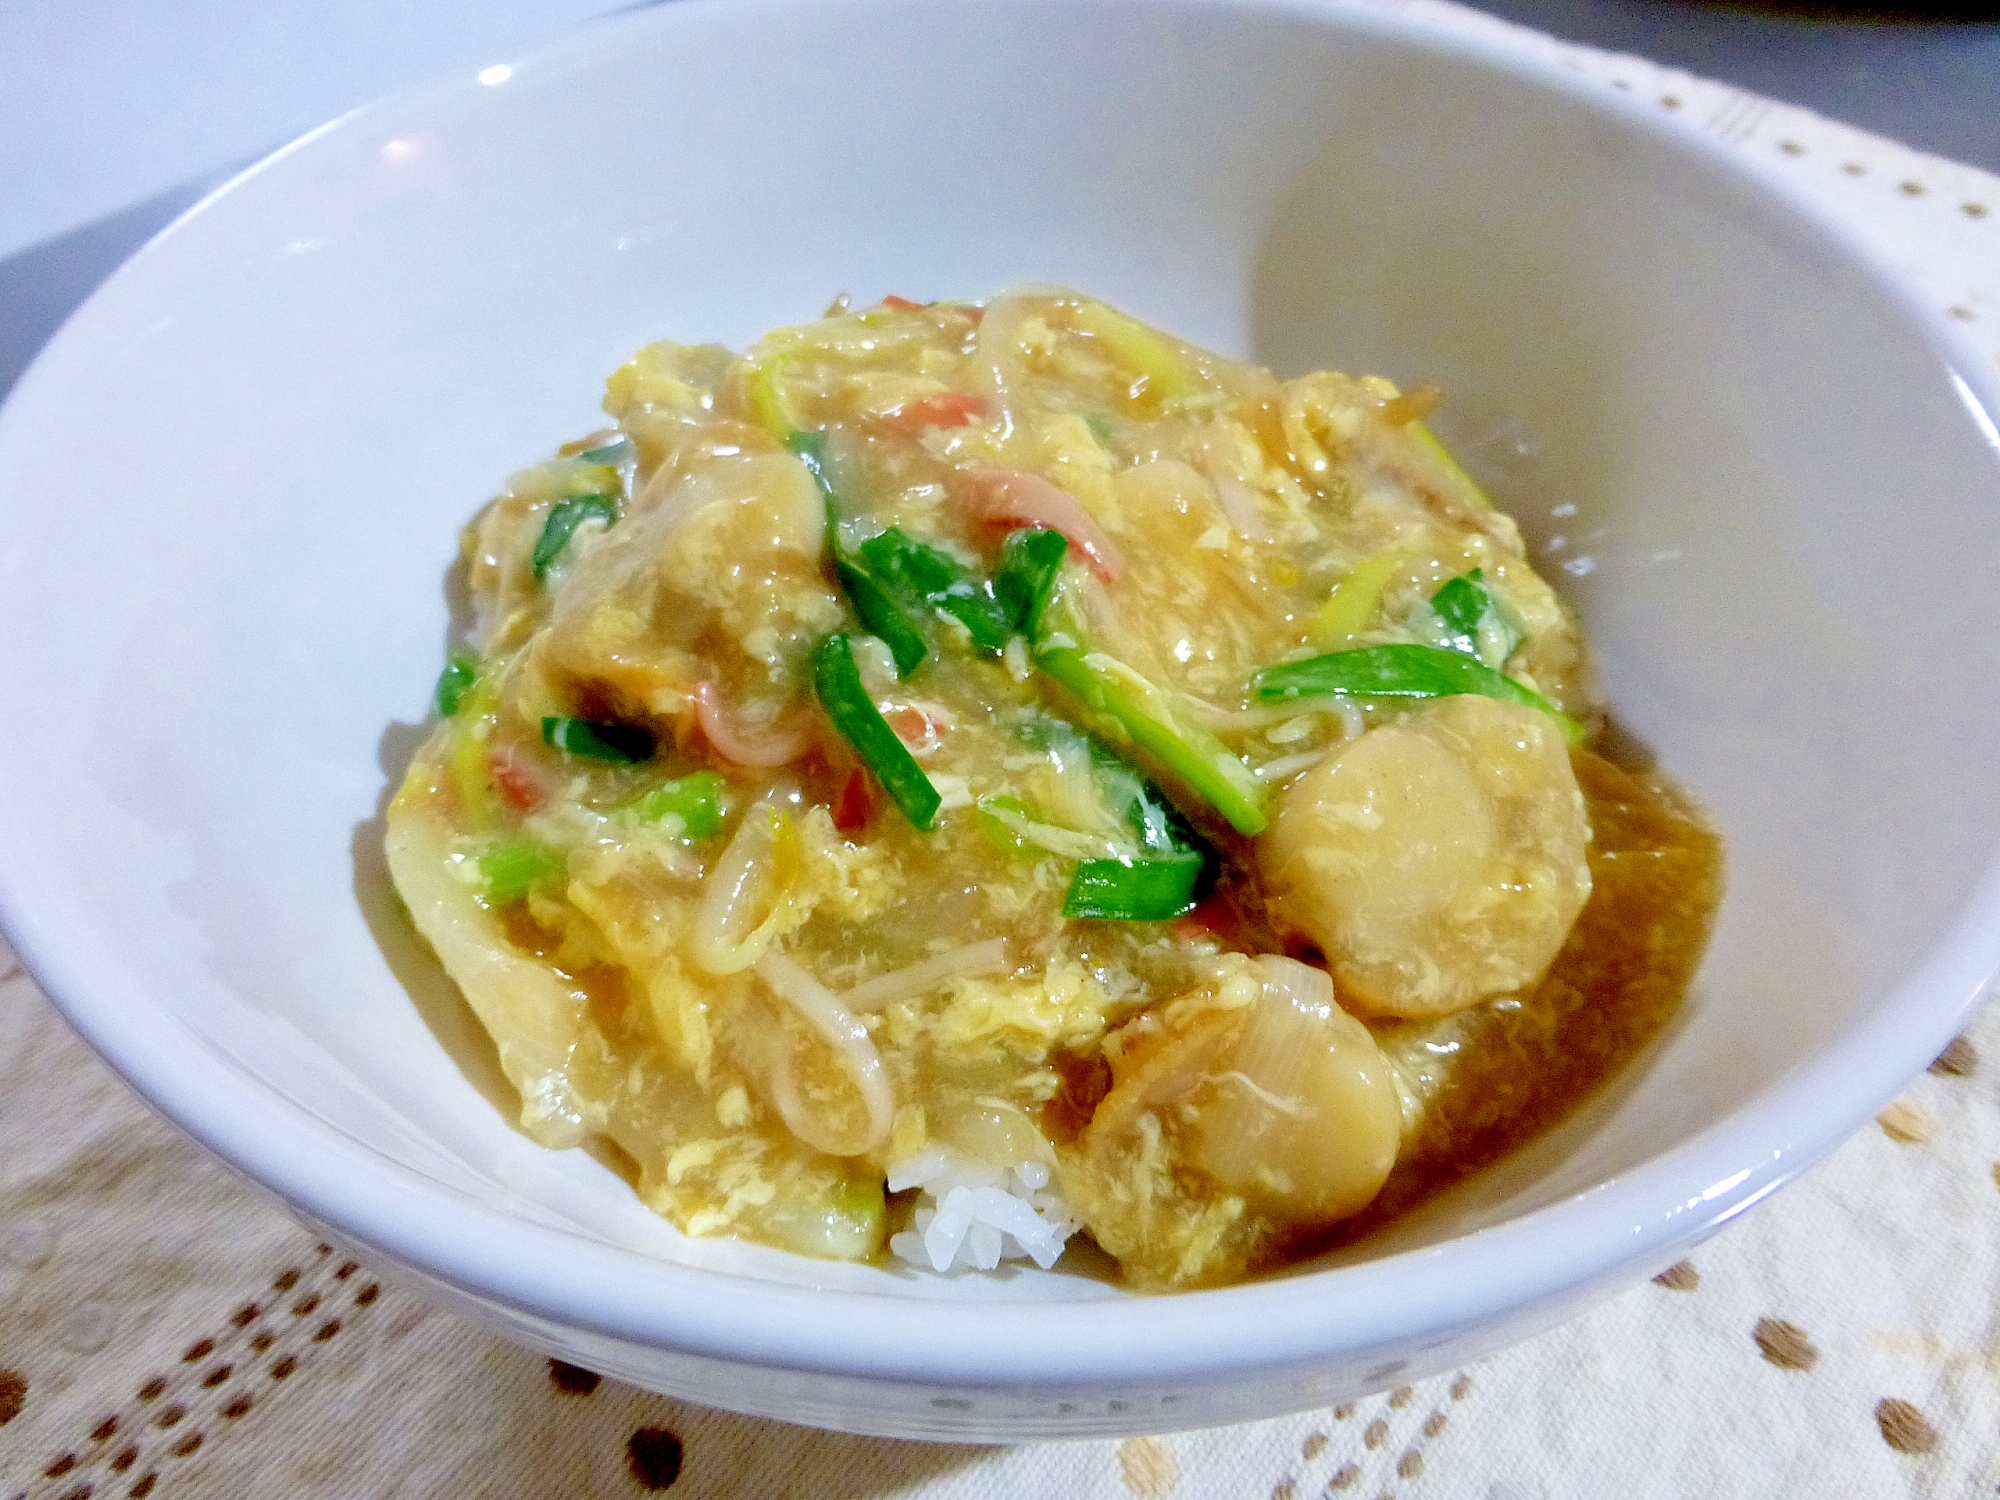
(572, 1380)
(1346, 1478)
(322, 1248)
(245, 1315)
(1852, 168)
(1904, 1428)
(1963, 314)
(262, 1342)
(200, 1349)
(1434, 1424)
(1977, 210)
(306, 1305)
(286, 1281)
(1785, 1344)
(104, 1431)
(1461, 1387)
(1313, 1447)
(1669, 101)
(170, 1415)
(367, 1295)
(654, 1456)
(1376, 1434)
(347, 1269)
(326, 1330)
(124, 1460)
(1957, 1060)
(1792, 148)
(283, 1367)
(145, 1485)
(150, 1391)
(1681, 1276)
(1411, 1464)
(1906, 1123)
(76, 1492)
(1346, 1408)
(1400, 1396)
(61, 1466)
(187, 1445)
(13, 1395)
(1910, 189)
(1148, 1467)
(216, 1376)
(1285, 1489)
(237, 1406)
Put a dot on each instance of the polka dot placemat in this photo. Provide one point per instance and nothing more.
(166, 1331)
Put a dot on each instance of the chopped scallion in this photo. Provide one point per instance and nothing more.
(562, 524)
(508, 871)
(1154, 889)
(1399, 671)
(1146, 713)
(881, 616)
(623, 744)
(1030, 560)
(693, 801)
(461, 671)
(837, 683)
(611, 454)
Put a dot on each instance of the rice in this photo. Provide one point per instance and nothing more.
(973, 1216)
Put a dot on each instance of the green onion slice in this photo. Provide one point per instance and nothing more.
(837, 683)
(692, 802)
(1400, 671)
(562, 524)
(1154, 889)
(923, 572)
(461, 671)
(882, 616)
(624, 744)
(1030, 560)
(508, 871)
(611, 454)
(1473, 622)
(1146, 713)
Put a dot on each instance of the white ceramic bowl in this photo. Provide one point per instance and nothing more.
(229, 496)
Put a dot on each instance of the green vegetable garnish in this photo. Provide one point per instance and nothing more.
(623, 744)
(1465, 481)
(882, 616)
(923, 573)
(508, 871)
(1473, 621)
(1399, 672)
(611, 454)
(1030, 560)
(1154, 889)
(810, 447)
(563, 521)
(1110, 688)
(837, 683)
(461, 671)
(694, 801)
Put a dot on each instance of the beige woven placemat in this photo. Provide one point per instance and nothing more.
(164, 1329)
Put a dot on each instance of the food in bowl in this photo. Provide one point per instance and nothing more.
(956, 776)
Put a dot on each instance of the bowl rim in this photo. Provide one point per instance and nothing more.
(1623, 1227)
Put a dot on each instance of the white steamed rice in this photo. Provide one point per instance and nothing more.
(973, 1217)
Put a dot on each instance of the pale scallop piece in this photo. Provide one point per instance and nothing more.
(1438, 860)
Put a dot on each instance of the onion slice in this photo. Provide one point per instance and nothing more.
(1015, 497)
(835, 1024)
(968, 962)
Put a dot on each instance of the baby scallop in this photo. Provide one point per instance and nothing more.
(1285, 1102)
(1438, 860)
